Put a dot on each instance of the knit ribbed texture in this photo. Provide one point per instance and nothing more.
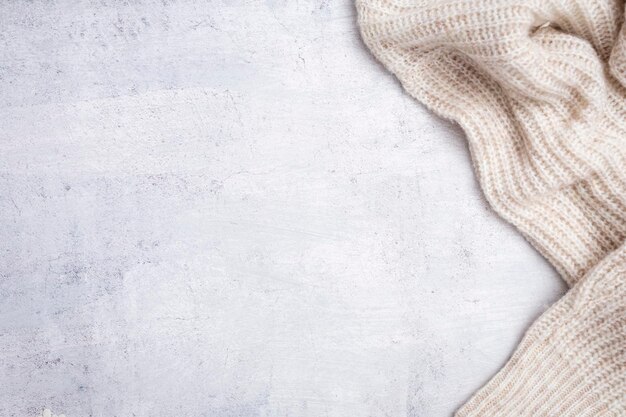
(539, 88)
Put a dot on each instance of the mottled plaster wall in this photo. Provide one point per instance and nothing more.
(227, 208)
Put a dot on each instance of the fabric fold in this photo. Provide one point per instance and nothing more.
(543, 116)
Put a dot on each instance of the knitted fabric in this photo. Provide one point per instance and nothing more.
(539, 88)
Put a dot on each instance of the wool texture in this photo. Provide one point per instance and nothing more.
(539, 87)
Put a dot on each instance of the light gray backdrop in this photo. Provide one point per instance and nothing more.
(228, 208)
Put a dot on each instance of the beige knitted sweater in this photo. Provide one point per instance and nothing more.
(539, 88)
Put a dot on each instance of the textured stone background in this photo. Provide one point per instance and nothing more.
(227, 208)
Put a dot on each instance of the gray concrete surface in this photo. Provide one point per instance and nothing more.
(227, 208)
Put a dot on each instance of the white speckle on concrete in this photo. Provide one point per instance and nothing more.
(227, 208)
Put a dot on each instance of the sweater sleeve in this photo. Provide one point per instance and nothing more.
(572, 361)
(544, 117)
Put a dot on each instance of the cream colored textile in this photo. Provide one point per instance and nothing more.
(539, 88)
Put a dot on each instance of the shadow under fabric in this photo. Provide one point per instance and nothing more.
(539, 87)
